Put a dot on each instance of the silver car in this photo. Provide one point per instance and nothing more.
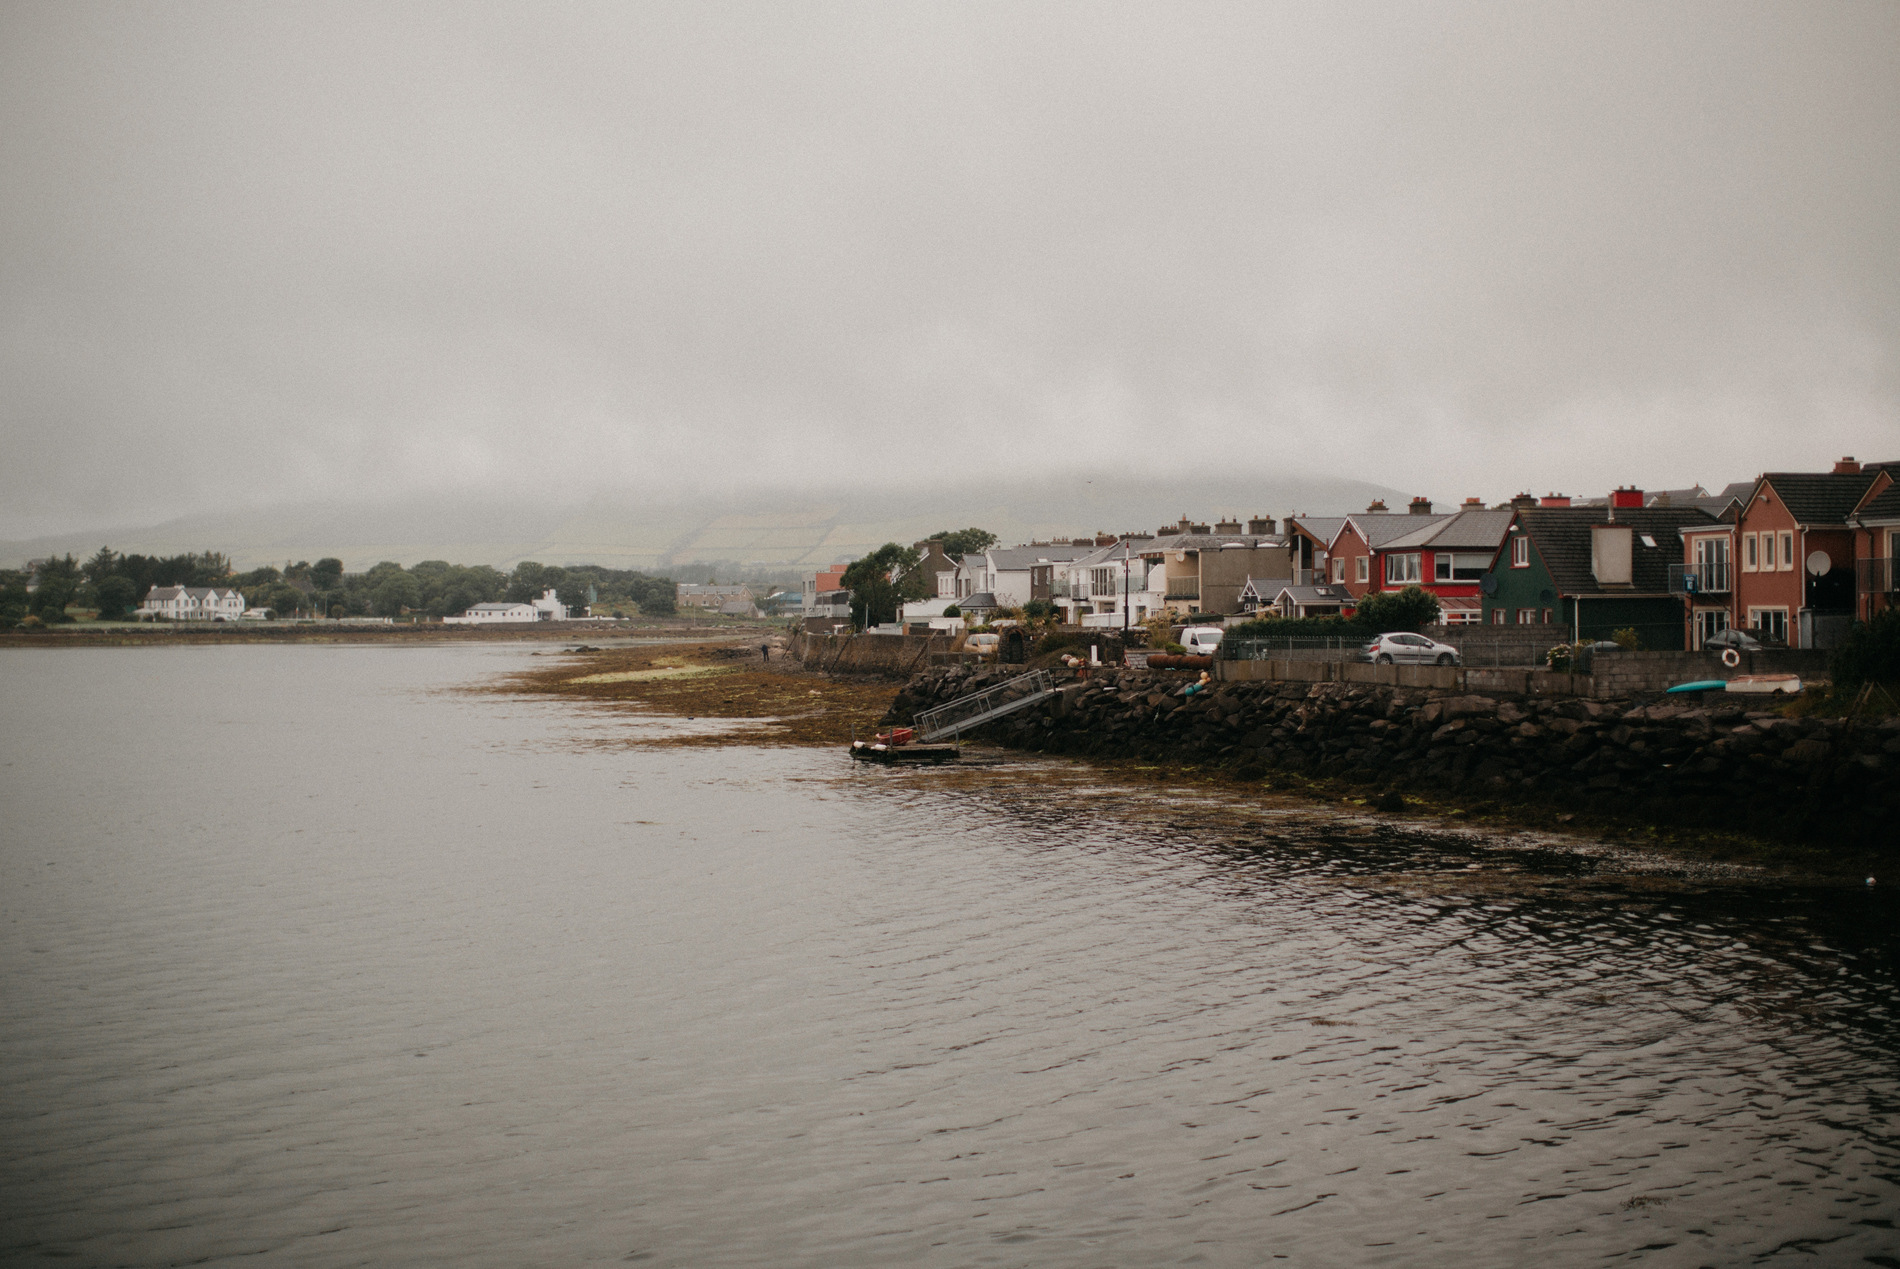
(1409, 649)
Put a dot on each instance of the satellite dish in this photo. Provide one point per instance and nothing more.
(1819, 563)
(1488, 583)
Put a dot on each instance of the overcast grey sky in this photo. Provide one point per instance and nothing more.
(257, 252)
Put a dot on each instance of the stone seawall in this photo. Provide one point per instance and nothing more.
(1725, 767)
(895, 656)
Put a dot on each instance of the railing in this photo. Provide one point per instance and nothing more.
(984, 706)
(1708, 577)
(1268, 649)
(1183, 588)
(1876, 577)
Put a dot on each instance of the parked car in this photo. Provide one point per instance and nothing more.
(1409, 649)
(984, 645)
(1202, 641)
(1740, 640)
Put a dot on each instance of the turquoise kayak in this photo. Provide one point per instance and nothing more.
(1703, 685)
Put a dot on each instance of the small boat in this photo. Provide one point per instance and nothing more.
(1765, 684)
(880, 751)
(1701, 685)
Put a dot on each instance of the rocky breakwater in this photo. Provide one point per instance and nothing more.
(1724, 767)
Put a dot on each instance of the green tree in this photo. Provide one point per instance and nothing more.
(958, 543)
(1384, 611)
(659, 601)
(116, 596)
(327, 573)
(1870, 653)
(394, 592)
(875, 596)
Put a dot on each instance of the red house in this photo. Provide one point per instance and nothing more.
(1796, 551)
(1447, 557)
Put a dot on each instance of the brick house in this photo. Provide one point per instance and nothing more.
(1876, 524)
(1349, 558)
(1795, 552)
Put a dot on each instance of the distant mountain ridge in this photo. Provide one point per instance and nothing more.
(785, 529)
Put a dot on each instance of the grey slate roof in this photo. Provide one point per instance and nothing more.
(1460, 531)
(1324, 528)
(1819, 497)
(1208, 542)
(1313, 595)
(1562, 538)
(982, 599)
(1016, 558)
(1381, 527)
(1883, 507)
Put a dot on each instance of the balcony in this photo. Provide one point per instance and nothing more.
(1708, 578)
(1183, 588)
(1876, 577)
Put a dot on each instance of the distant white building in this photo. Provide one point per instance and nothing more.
(191, 603)
(547, 608)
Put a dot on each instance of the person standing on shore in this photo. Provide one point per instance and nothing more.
(765, 653)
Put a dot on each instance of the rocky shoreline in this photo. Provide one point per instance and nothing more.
(1724, 769)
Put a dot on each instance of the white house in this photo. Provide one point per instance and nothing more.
(546, 608)
(191, 603)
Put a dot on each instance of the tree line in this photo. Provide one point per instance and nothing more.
(115, 584)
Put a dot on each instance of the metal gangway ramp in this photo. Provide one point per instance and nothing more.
(985, 706)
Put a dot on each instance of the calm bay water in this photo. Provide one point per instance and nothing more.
(312, 960)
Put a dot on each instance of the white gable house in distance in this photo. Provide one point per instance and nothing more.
(546, 608)
(191, 603)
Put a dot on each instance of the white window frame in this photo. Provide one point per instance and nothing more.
(1402, 569)
(1362, 569)
(1749, 553)
(1526, 616)
(1497, 616)
(1339, 571)
(1786, 560)
(1520, 552)
(1708, 623)
(1779, 612)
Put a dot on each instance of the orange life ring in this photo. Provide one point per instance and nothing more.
(1731, 658)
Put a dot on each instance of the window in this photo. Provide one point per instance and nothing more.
(1520, 552)
(1497, 616)
(1401, 570)
(1449, 567)
(1749, 564)
(1548, 614)
(1526, 616)
(1769, 623)
(1362, 569)
(1767, 552)
(1709, 622)
(1339, 570)
(1464, 617)
(1787, 552)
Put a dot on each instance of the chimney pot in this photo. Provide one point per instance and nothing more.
(1421, 506)
(1474, 504)
(1847, 467)
(1377, 505)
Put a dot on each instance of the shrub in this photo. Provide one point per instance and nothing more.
(1627, 639)
(1410, 609)
(953, 611)
(1870, 653)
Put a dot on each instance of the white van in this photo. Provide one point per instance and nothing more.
(1202, 641)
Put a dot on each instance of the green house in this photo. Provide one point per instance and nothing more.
(1591, 571)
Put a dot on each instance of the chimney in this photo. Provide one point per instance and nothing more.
(1523, 502)
(1081, 541)
(1185, 525)
(1197, 528)
(1472, 504)
(1376, 507)
(1629, 496)
(1106, 539)
(1261, 526)
(1421, 506)
(1227, 526)
(1554, 500)
(1847, 467)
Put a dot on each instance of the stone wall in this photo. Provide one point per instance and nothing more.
(1623, 673)
(895, 656)
(1712, 768)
